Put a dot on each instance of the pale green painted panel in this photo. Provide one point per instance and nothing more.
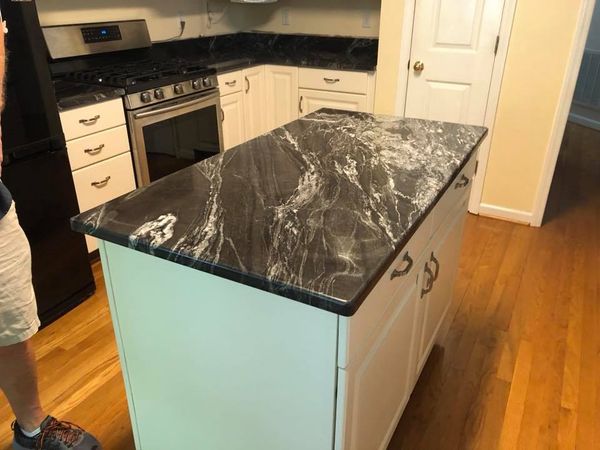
(217, 365)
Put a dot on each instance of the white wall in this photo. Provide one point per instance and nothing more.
(161, 15)
(328, 17)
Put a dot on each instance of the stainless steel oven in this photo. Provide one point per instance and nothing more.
(175, 134)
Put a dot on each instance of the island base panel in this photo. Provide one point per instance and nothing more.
(213, 364)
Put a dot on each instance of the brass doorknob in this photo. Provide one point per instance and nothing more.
(419, 66)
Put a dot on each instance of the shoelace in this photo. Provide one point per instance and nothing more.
(66, 432)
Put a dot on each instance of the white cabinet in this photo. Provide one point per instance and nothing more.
(254, 88)
(373, 393)
(282, 95)
(232, 107)
(102, 182)
(384, 346)
(92, 118)
(311, 101)
(439, 273)
(99, 154)
(337, 89)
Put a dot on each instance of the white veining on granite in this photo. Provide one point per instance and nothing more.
(310, 211)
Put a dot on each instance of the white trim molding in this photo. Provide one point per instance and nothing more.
(405, 48)
(506, 24)
(499, 212)
(562, 111)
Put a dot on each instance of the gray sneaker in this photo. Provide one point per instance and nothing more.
(55, 435)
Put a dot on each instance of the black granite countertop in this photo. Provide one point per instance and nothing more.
(314, 211)
(234, 51)
(74, 95)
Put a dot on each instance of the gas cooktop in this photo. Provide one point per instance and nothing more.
(143, 75)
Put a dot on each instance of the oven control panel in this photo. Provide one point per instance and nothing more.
(91, 35)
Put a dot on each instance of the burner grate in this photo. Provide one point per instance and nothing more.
(142, 75)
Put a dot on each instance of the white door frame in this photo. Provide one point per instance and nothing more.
(562, 111)
(506, 23)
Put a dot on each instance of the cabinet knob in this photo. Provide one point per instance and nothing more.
(400, 273)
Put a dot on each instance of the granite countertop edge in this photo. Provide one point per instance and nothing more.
(321, 301)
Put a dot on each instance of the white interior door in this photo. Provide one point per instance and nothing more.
(452, 59)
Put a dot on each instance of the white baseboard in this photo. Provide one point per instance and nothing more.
(499, 212)
(584, 120)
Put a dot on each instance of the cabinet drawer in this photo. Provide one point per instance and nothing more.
(104, 181)
(230, 82)
(91, 119)
(356, 332)
(460, 186)
(97, 147)
(333, 80)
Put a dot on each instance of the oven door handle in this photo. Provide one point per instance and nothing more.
(156, 112)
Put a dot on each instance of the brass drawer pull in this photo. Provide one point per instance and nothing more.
(463, 182)
(231, 83)
(300, 104)
(434, 260)
(400, 273)
(101, 184)
(331, 80)
(91, 121)
(222, 115)
(94, 151)
(429, 283)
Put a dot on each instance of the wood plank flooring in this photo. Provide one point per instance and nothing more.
(518, 365)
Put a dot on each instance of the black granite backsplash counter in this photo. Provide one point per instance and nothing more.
(232, 51)
(73, 95)
(313, 211)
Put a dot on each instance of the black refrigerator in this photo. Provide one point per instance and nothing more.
(36, 168)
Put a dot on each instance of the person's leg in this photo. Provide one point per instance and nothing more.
(18, 381)
(18, 370)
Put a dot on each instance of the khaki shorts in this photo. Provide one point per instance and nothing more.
(18, 309)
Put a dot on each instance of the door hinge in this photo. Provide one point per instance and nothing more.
(497, 45)
(476, 166)
(408, 65)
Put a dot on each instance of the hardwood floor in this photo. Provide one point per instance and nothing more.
(518, 366)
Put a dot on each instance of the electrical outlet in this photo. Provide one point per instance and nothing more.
(285, 16)
(366, 19)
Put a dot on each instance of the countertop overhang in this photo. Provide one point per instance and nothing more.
(314, 211)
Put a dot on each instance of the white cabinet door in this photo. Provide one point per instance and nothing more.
(452, 58)
(102, 182)
(254, 88)
(232, 107)
(282, 95)
(312, 100)
(438, 279)
(374, 391)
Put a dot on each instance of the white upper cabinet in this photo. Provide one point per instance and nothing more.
(282, 95)
(255, 114)
(232, 115)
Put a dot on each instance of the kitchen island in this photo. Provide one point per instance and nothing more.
(286, 294)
